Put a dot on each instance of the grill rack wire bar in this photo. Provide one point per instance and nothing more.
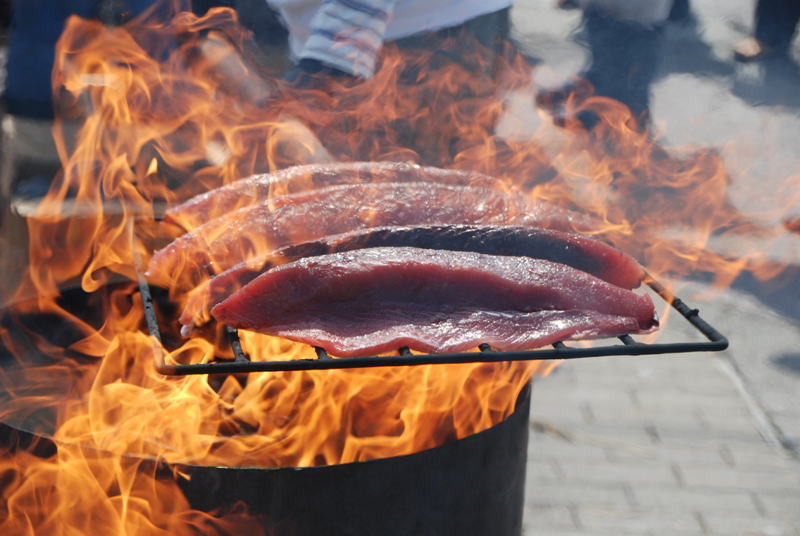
(630, 347)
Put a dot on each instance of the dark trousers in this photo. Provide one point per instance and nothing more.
(470, 55)
(776, 22)
(475, 44)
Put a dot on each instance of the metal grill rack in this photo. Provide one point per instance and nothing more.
(241, 362)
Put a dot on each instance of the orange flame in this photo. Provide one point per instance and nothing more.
(165, 108)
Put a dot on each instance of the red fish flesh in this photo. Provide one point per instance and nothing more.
(366, 301)
(578, 251)
(243, 234)
(296, 179)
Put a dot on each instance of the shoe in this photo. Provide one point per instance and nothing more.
(751, 49)
(555, 101)
(576, 90)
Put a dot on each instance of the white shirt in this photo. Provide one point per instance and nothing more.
(348, 34)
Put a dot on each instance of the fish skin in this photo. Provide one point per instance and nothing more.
(351, 287)
(245, 233)
(579, 251)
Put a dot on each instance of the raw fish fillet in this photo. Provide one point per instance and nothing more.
(296, 179)
(243, 234)
(578, 251)
(336, 300)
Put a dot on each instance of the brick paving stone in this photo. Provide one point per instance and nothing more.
(639, 522)
(672, 402)
(645, 472)
(618, 433)
(674, 454)
(633, 464)
(782, 505)
(748, 441)
(756, 456)
(541, 518)
(722, 476)
(543, 470)
(543, 446)
(720, 422)
(678, 499)
(733, 525)
(566, 494)
(669, 430)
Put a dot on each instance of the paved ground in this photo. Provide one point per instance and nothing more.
(662, 445)
(699, 443)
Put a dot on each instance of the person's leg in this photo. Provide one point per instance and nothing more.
(644, 12)
(624, 60)
(568, 4)
(624, 40)
(449, 69)
(680, 11)
(775, 24)
(490, 31)
(792, 20)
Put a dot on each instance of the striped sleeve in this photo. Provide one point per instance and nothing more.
(348, 34)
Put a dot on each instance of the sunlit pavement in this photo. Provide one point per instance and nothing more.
(696, 443)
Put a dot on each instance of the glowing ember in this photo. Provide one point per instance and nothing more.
(168, 110)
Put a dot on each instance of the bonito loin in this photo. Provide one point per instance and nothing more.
(374, 300)
(259, 188)
(578, 251)
(224, 242)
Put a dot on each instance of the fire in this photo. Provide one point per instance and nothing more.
(166, 107)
